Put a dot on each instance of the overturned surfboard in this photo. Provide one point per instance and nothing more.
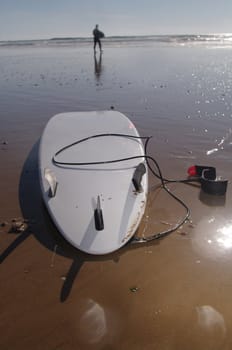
(93, 177)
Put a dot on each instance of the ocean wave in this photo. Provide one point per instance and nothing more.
(211, 39)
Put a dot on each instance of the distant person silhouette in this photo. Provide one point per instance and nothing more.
(97, 35)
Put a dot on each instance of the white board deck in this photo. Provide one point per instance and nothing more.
(78, 188)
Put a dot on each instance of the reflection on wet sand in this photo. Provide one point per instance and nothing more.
(98, 65)
(213, 237)
(93, 323)
(210, 319)
(212, 328)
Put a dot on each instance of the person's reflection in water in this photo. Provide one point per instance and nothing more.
(98, 65)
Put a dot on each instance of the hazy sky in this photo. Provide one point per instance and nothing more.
(35, 19)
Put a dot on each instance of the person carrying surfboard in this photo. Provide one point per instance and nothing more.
(97, 35)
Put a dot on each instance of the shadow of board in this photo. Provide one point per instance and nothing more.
(41, 226)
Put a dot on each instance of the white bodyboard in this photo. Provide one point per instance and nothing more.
(73, 194)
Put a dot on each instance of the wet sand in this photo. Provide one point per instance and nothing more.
(173, 293)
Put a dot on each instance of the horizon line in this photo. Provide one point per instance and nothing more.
(120, 36)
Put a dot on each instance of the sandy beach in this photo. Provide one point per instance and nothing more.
(170, 294)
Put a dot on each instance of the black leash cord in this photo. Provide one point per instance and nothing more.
(163, 180)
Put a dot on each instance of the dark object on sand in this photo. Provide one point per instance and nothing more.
(210, 183)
